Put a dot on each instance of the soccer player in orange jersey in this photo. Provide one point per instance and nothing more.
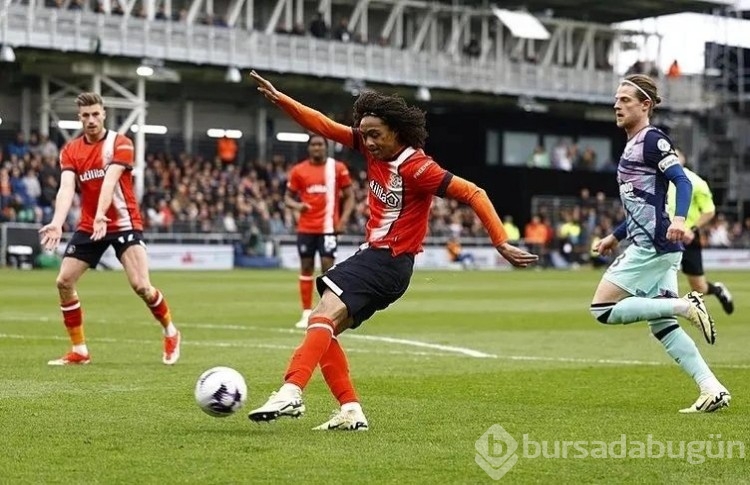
(317, 188)
(402, 182)
(100, 163)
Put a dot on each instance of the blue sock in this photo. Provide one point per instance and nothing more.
(682, 349)
(637, 309)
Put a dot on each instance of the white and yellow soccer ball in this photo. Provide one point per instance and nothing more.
(220, 391)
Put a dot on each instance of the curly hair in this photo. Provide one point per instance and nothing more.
(408, 122)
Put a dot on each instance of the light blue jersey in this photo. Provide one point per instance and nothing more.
(643, 189)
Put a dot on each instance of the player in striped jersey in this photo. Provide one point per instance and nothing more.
(402, 182)
(320, 190)
(641, 284)
(100, 163)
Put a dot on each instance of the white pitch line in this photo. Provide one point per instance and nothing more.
(444, 349)
(215, 344)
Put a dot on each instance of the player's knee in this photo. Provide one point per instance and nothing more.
(65, 283)
(601, 311)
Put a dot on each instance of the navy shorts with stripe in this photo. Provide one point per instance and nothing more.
(368, 281)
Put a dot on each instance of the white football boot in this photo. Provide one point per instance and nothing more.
(350, 420)
(709, 402)
(699, 316)
(285, 402)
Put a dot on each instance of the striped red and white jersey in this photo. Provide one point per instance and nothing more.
(320, 187)
(400, 197)
(89, 161)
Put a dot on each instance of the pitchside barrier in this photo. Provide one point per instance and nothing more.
(20, 248)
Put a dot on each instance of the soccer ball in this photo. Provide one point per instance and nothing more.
(220, 391)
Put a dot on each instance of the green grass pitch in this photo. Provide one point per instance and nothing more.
(461, 352)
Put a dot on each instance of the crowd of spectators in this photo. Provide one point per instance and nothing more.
(193, 194)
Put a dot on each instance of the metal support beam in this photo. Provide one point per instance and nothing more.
(58, 103)
(358, 18)
(193, 11)
(459, 25)
(396, 12)
(278, 10)
(586, 52)
(233, 12)
(428, 22)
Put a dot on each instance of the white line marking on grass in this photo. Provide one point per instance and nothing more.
(427, 345)
(215, 344)
(444, 350)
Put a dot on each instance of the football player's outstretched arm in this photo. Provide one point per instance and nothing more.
(111, 177)
(52, 232)
(309, 118)
(464, 191)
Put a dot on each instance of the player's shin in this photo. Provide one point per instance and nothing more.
(683, 350)
(306, 290)
(73, 320)
(307, 356)
(335, 369)
(157, 304)
(637, 309)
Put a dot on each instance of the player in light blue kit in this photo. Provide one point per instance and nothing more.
(641, 284)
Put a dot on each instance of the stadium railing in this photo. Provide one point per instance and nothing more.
(62, 30)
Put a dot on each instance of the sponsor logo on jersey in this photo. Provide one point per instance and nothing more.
(626, 188)
(94, 173)
(316, 189)
(667, 162)
(421, 169)
(386, 197)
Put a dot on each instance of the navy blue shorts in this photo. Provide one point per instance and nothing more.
(323, 244)
(82, 247)
(369, 281)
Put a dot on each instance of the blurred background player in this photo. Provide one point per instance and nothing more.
(641, 284)
(320, 190)
(458, 255)
(701, 212)
(403, 181)
(101, 162)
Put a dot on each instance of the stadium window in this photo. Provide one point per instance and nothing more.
(602, 148)
(493, 147)
(518, 147)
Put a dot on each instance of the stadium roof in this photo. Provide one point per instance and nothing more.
(611, 11)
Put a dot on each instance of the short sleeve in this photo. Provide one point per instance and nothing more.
(343, 179)
(427, 176)
(294, 183)
(66, 161)
(658, 151)
(124, 153)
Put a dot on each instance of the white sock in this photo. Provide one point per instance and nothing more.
(711, 384)
(291, 388)
(351, 406)
(81, 349)
(170, 330)
(306, 314)
(682, 307)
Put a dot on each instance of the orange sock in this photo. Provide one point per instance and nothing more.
(159, 309)
(306, 290)
(73, 319)
(308, 354)
(335, 369)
